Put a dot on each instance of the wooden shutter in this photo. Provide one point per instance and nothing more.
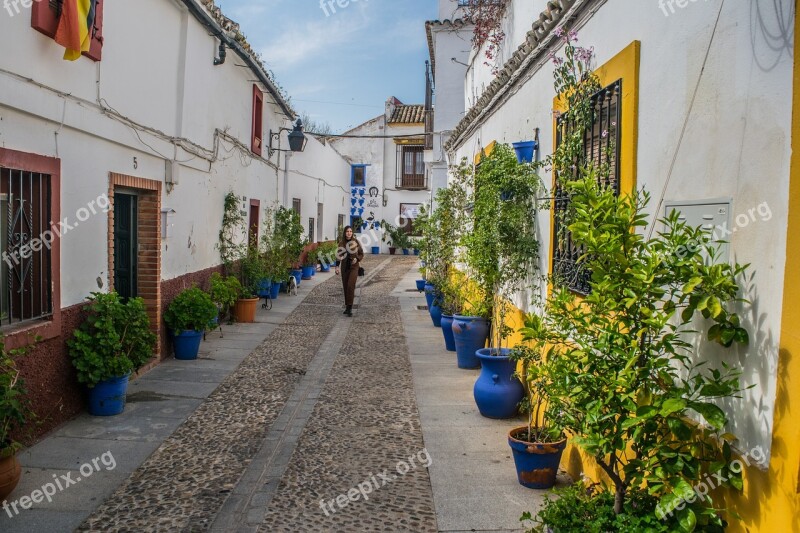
(46, 13)
(257, 141)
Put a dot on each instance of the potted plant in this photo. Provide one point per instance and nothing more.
(113, 341)
(310, 264)
(224, 292)
(14, 412)
(188, 316)
(251, 273)
(537, 447)
(289, 239)
(502, 253)
(390, 236)
(327, 255)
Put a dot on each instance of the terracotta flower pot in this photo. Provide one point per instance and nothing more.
(245, 310)
(10, 472)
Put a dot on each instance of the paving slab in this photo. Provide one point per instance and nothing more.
(473, 479)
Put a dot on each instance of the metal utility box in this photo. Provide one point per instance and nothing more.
(713, 215)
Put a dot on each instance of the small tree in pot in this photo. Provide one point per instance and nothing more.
(14, 413)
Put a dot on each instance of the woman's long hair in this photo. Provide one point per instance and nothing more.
(343, 239)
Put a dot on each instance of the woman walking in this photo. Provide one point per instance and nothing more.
(349, 256)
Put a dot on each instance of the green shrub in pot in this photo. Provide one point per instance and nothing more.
(224, 292)
(113, 341)
(192, 310)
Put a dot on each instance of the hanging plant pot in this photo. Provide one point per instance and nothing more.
(436, 315)
(307, 272)
(497, 392)
(187, 344)
(470, 334)
(376, 250)
(524, 150)
(537, 463)
(244, 310)
(447, 331)
(107, 398)
(10, 473)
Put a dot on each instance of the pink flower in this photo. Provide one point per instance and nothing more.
(559, 32)
(605, 134)
(573, 35)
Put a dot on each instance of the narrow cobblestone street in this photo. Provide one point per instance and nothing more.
(305, 421)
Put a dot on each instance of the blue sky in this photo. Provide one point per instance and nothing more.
(358, 55)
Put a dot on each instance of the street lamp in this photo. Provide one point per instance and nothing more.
(297, 139)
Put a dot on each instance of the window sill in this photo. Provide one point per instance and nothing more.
(27, 333)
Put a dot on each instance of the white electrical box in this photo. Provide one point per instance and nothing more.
(714, 216)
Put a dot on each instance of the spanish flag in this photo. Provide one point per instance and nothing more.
(75, 27)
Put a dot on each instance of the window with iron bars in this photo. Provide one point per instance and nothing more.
(601, 144)
(25, 237)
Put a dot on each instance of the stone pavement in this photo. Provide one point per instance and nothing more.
(304, 421)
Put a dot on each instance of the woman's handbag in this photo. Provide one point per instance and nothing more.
(361, 271)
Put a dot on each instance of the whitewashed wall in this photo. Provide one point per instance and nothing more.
(736, 144)
(164, 79)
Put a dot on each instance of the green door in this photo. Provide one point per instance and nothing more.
(125, 229)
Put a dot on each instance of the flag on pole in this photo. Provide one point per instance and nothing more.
(74, 30)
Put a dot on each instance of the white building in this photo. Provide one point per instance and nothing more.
(157, 125)
(389, 179)
(704, 92)
(449, 46)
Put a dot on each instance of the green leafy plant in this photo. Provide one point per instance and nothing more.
(191, 310)
(326, 253)
(543, 419)
(502, 250)
(624, 378)
(224, 292)
(289, 235)
(15, 408)
(589, 508)
(114, 340)
(230, 245)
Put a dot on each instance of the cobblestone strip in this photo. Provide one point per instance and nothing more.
(246, 507)
(364, 424)
(182, 486)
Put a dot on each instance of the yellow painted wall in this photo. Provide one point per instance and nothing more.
(771, 499)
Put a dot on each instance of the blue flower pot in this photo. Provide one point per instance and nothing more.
(436, 315)
(497, 392)
(187, 345)
(307, 272)
(406, 251)
(470, 334)
(537, 463)
(284, 285)
(107, 398)
(416, 252)
(297, 275)
(447, 331)
(376, 250)
(421, 285)
(430, 292)
(264, 288)
(275, 290)
(524, 151)
(324, 267)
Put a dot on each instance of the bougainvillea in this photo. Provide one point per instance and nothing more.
(487, 16)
